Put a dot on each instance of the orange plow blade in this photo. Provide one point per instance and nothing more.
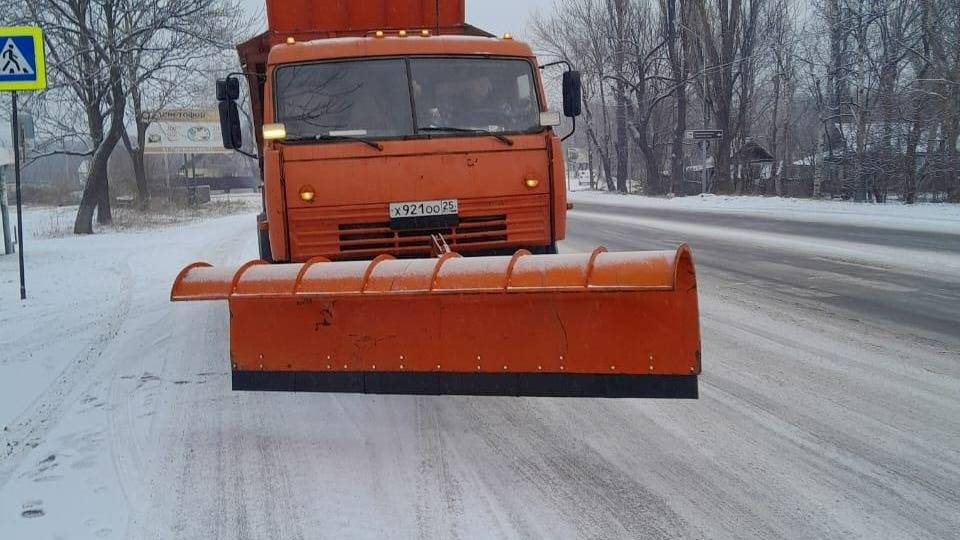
(601, 324)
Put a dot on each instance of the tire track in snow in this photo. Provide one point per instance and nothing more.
(170, 362)
(873, 455)
(560, 469)
(221, 474)
(437, 513)
(498, 519)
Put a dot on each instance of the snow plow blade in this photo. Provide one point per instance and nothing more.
(591, 325)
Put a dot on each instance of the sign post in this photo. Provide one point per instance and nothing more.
(22, 67)
(704, 136)
(15, 124)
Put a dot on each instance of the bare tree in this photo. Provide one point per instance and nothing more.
(186, 47)
(727, 31)
(941, 31)
(101, 54)
(780, 27)
(675, 15)
(882, 76)
(85, 48)
(575, 32)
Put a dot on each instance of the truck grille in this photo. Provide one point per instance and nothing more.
(363, 231)
(472, 231)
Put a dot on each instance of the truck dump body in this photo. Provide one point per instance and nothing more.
(339, 17)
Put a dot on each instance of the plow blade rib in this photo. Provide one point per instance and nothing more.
(601, 324)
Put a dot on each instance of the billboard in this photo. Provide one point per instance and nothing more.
(183, 131)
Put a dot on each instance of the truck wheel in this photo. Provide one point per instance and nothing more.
(263, 238)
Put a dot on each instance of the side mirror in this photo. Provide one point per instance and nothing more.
(228, 89)
(228, 92)
(572, 94)
(230, 125)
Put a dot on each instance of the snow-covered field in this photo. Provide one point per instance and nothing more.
(814, 421)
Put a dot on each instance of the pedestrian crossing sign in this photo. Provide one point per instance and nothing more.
(22, 64)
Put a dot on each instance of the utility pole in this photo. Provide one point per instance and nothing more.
(705, 144)
(818, 164)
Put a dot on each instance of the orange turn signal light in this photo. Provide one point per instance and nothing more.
(531, 182)
(308, 194)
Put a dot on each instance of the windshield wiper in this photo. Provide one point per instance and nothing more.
(369, 142)
(502, 138)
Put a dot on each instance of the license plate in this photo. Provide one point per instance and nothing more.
(424, 209)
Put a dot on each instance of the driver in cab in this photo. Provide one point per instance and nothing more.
(479, 105)
(473, 103)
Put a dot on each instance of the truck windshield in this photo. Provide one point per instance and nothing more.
(334, 99)
(474, 93)
(372, 98)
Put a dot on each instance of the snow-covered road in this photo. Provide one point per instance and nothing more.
(830, 407)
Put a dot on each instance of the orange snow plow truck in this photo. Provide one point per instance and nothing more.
(414, 193)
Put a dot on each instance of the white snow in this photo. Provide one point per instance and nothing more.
(57, 372)
(118, 420)
(925, 217)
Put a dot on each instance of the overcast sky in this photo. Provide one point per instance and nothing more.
(496, 16)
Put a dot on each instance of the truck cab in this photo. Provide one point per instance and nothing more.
(375, 139)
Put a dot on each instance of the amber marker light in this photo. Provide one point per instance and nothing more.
(308, 194)
(531, 182)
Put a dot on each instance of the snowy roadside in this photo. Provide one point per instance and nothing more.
(57, 222)
(74, 285)
(925, 217)
(56, 365)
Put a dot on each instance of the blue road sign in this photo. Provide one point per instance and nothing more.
(22, 65)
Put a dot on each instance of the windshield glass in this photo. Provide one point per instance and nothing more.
(361, 99)
(372, 98)
(474, 93)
